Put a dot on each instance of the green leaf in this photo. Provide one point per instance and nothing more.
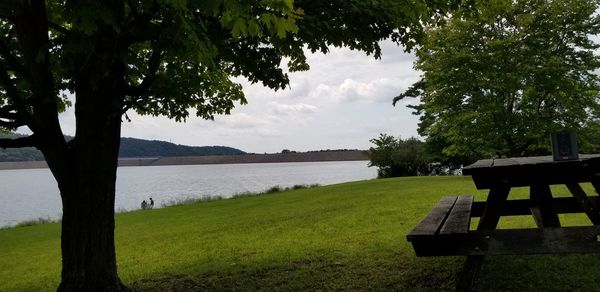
(254, 28)
(239, 28)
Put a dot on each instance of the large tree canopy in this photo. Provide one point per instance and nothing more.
(501, 75)
(156, 57)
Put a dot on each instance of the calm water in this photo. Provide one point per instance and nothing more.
(32, 193)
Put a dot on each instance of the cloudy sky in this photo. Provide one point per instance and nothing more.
(342, 102)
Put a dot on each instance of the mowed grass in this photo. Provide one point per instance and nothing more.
(342, 237)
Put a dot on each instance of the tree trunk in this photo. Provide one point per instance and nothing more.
(88, 190)
(86, 167)
(87, 241)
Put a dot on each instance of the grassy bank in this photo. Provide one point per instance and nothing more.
(342, 237)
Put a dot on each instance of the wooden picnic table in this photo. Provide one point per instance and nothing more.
(446, 229)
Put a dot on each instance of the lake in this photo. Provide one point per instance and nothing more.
(28, 194)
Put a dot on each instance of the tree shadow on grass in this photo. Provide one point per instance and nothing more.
(510, 273)
(301, 275)
(396, 271)
(541, 273)
(345, 274)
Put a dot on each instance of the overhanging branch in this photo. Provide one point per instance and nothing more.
(10, 118)
(7, 83)
(17, 112)
(58, 27)
(140, 28)
(12, 124)
(153, 66)
(7, 7)
(12, 60)
(22, 142)
(13, 94)
(8, 112)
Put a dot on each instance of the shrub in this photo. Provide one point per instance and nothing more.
(397, 157)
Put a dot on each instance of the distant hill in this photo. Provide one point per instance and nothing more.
(130, 147)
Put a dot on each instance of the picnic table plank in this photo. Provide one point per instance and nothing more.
(434, 220)
(520, 207)
(524, 171)
(459, 219)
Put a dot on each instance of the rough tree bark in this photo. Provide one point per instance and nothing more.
(87, 239)
(85, 167)
(88, 191)
(88, 196)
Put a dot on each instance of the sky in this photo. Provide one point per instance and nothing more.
(342, 102)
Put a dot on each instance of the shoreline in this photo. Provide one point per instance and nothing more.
(351, 155)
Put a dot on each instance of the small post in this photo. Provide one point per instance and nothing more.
(564, 146)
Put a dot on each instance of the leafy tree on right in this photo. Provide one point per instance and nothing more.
(499, 76)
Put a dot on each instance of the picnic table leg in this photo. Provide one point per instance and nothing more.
(590, 209)
(544, 211)
(489, 221)
(596, 184)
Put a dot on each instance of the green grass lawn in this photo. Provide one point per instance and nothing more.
(342, 237)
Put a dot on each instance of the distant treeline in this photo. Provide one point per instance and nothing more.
(286, 151)
(130, 147)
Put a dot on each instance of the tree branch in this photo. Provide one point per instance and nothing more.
(58, 27)
(18, 110)
(139, 28)
(541, 100)
(31, 27)
(12, 124)
(12, 60)
(8, 112)
(29, 141)
(9, 87)
(133, 7)
(7, 7)
(7, 109)
(153, 66)
(10, 118)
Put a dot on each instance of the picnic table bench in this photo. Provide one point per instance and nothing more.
(446, 231)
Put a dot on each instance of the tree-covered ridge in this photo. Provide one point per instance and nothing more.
(130, 147)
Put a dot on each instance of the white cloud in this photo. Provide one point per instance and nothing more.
(342, 102)
(292, 109)
(242, 121)
(370, 91)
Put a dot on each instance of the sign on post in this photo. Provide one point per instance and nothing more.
(564, 146)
